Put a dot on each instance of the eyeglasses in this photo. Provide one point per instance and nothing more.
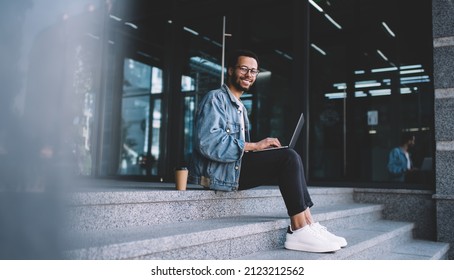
(244, 70)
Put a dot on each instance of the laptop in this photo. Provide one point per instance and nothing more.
(295, 136)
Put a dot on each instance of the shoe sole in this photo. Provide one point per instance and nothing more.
(341, 244)
(299, 247)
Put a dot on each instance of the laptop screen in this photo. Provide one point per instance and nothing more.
(297, 131)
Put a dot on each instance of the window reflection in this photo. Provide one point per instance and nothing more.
(187, 83)
(156, 80)
(140, 119)
(370, 81)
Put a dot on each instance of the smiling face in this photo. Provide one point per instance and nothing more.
(238, 82)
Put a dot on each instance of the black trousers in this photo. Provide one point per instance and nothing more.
(283, 167)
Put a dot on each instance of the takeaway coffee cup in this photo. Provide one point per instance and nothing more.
(181, 178)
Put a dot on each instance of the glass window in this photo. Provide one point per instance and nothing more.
(140, 119)
(156, 126)
(370, 82)
(134, 139)
(157, 83)
(187, 83)
(137, 77)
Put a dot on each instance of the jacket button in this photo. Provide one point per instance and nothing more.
(236, 167)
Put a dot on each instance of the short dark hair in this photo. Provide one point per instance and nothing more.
(233, 57)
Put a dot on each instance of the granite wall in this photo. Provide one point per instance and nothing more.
(443, 54)
(414, 206)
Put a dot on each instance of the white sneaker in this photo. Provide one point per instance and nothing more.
(309, 240)
(324, 232)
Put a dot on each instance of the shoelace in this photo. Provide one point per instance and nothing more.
(320, 227)
(317, 231)
(321, 230)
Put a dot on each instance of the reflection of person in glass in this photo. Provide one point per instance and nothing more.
(221, 159)
(399, 160)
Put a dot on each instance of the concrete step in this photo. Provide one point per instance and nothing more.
(139, 220)
(114, 204)
(218, 238)
(380, 240)
(417, 250)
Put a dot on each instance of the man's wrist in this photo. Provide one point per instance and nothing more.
(250, 146)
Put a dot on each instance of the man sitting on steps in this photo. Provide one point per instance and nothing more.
(221, 159)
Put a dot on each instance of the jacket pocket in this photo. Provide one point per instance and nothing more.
(233, 128)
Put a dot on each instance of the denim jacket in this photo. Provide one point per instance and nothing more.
(218, 141)
(397, 164)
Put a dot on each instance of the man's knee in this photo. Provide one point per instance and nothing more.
(292, 153)
(292, 156)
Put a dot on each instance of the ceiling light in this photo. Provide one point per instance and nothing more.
(335, 95)
(340, 85)
(318, 49)
(131, 25)
(206, 63)
(284, 54)
(405, 90)
(190, 31)
(387, 69)
(333, 21)
(380, 92)
(410, 66)
(412, 71)
(388, 29)
(316, 6)
(115, 18)
(360, 94)
(382, 55)
(363, 84)
(414, 78)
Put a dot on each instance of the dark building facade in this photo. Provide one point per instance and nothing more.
(361, 71)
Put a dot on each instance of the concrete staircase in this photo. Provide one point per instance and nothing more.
(130, 220)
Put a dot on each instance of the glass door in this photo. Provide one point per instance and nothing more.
(141, 119)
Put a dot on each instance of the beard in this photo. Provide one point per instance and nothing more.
(235, 81)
